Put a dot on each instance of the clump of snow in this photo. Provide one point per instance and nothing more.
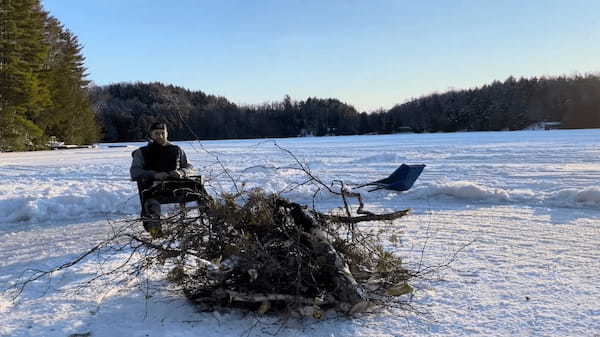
(5, 304)
(385, 157)
(465, 190)
(589, 196)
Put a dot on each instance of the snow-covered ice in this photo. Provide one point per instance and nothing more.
(528, 203)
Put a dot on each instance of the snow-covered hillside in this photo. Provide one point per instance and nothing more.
(528, 201)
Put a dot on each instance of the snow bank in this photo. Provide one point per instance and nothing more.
(464, 190)
(58, 200)
(69, 203)
(588, 197)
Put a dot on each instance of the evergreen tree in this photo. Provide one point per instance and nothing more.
(70, 117)
(24, 95)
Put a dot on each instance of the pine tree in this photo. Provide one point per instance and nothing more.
(70, 117)
(23, 95)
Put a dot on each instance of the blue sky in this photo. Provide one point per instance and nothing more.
(371, 54)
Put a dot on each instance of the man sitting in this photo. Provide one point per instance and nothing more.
(155, 163)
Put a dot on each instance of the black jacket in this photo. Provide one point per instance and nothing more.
(154, 158)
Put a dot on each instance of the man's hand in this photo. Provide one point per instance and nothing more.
(161, 175)
(176, 174)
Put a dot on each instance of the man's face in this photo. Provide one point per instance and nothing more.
(159, 136)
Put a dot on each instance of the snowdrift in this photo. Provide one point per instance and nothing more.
(471, 192)
(78, 202)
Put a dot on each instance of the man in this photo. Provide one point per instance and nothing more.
(153, 163)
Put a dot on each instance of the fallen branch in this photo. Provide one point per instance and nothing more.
(363, 218)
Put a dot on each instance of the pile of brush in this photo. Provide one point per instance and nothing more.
(265, 253)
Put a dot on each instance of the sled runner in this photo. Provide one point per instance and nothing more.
(402, 179)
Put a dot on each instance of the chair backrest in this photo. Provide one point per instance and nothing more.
(407, 176)
(400, 173)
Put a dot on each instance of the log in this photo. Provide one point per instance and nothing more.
(259, 298)
(363, 218)
(347, 289)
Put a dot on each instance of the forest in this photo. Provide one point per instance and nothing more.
(125, 110)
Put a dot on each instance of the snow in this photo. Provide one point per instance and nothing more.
(519, 209)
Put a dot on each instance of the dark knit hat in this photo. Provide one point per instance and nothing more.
(157, 126)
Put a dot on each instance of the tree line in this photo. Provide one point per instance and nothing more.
(43, 90)
(126, 110)
(510, 105)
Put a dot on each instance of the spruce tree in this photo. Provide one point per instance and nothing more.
(23, 95)
(70, 117)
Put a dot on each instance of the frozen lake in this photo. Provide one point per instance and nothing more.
(527, 204)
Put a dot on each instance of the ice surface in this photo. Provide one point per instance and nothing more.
(528, 201)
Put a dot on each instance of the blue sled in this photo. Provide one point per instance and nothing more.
(401, 180)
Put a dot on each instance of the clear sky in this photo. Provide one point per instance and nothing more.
(370, 53)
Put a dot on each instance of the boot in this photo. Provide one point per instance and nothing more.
(151, 222)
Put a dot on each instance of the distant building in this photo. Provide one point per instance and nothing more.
(552, 125)
(54, 144)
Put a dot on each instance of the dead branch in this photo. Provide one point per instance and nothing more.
(373, 217)
(38, 274)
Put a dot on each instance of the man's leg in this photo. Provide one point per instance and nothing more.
(151, 216)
